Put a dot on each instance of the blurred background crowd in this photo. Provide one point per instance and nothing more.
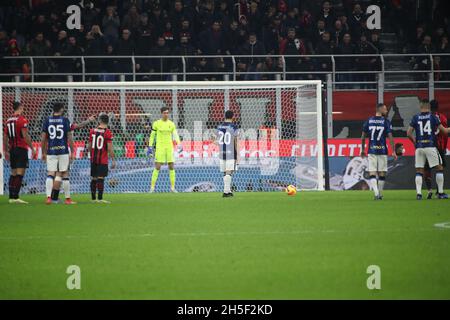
(255, 28)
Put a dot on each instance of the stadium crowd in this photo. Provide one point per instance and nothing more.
(220, 28)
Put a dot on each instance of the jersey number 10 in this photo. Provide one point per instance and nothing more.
(97, 142)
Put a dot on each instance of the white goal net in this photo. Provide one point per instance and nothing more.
(280, 132)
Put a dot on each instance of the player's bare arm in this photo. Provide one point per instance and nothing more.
(391, 141)
(443, 129)
(363, 144)
(84, 123)
(71, 145)
(410, 135)
(29, 142)
(111, 154)
(6, 147)
(236, 146)
(44, 146)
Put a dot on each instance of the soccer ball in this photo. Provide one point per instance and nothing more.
(291, 190)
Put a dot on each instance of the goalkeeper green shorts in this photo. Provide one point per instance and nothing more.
(164, 155)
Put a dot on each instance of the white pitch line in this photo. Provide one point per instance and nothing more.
(445, 225)
(212, 234)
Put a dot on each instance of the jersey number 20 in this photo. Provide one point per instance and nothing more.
(224, 138)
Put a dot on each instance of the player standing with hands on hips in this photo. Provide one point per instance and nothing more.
(426, 125)
(16, 141)
(378, 128)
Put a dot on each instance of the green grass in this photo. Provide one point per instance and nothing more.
(201, 246)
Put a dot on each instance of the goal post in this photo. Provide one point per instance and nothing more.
(280, 131)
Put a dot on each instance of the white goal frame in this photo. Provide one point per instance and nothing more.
(175, 85)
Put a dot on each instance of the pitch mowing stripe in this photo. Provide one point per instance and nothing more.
(213, 234)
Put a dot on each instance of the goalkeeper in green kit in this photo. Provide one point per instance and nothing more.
(161, 144)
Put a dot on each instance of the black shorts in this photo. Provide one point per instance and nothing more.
(18, 158)
(99, 170)
(443, 162)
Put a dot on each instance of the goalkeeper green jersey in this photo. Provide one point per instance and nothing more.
(165, 133)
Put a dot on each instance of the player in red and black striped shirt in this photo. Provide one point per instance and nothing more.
(16, 141)
(441, 143)
(101, 150)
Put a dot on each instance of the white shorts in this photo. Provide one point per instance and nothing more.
(58, 163)
(228, 165)
(377, 162)
(427, 154)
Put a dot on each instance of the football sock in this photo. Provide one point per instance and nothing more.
(440, 181)
(154, 177)
(18, 185)
(419, 179)
(227, 183)
(56, 187)
(55, 194)
(100, 188)
(66, 186)
(172, 178)
(427, 177)
(93, 189)
(381, 181)
(11, 186)
(49, 185)
(374, 184)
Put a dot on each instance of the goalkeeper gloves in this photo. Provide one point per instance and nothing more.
(149, 151)
(179, 148)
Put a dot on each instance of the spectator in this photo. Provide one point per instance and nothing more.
(131, 20)
(375, 40)
(168, 35)
(291, 21)
(356, 21)
(346, 47)
(125, 47)
(40, 47)
(338, 33)
(235, 38)
(71, 65)
(293, 46)
(109, 65)
(157, 20)
(213, 40)
(61, 43)
(186, 30)
(184, 49)
(326, 15)
(369, 64)
(111, 24)
(272, 36)
(160, 65)
(223, 13)
(324, 47)
(444, 48)
(254, 17)
(42, 26)
(89, 15)
(318, 33)
(251, 63)
(95, 46)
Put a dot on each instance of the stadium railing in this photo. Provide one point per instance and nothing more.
(348, 72)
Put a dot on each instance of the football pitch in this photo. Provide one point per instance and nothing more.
(315, 245)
